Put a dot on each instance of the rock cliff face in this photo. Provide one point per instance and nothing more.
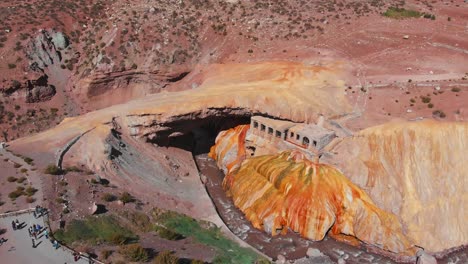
(285, 190)
(418, 171)
(221, 90)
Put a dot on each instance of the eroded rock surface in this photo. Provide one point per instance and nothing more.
(287, 191)
(418, 171)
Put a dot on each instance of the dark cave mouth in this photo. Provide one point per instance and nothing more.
(198, 135)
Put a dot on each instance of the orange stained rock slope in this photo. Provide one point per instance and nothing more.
(282, 191)
(229, 149)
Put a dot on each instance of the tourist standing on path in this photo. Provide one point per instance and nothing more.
(13, 225)
(17, 224)
(46, 234)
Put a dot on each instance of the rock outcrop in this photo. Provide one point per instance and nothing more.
(34, 91)
(45, 49)
(418, 171)
(287, 191)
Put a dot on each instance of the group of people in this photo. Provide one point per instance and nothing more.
(15, 224)
(36, 230)
(39, 211)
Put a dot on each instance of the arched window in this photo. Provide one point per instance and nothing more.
(291, 135)
(255, 124)
(305, 141)
(262, 128)
(270, 131)
(278, 134)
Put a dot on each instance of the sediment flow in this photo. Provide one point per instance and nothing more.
(286, 191)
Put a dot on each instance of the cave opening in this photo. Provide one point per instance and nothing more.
(198, 135)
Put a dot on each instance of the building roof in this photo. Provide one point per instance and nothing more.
(274, 123)
(311, 131)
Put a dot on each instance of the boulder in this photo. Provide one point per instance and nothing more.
(424, 258)
(313, 252)
(280, 260)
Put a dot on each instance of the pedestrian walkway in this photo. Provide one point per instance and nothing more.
(18, 247)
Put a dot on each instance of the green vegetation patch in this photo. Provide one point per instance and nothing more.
(95, 230)
(401, 13)
(228, 251)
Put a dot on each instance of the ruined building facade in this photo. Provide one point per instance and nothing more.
(306, 136)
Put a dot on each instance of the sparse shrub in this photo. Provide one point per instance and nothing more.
(11, 65)
(30, 199)
(12, 179)
(134, 252)
(439, 113)
(400, 13)
(126, 198)
(118, 239)
(108, 197)
(15, 194)
(28, 160)
(63, 183)
(430, 105)
(262, 261)
(168, 234)
(21, 180)
(73, 168)
(60, 200)
(106, 253)
(53, 170)
(455, 89)
(425, 99)
(16, 165)
(30, 191)
(196, 261)
(23, 170)
(166, 257)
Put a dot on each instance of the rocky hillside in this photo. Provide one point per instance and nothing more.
(95, 53)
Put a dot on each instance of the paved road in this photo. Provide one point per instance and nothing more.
(18, 249)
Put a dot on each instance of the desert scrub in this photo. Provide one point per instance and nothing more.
(126, 198)
(134, 252)
(108, 197)
(30, 191)
(21, 180)
(12, 179)
(53, 170)
(400, 13)
(95, 230)
(28, 160)
(166, 257)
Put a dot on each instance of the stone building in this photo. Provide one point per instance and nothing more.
(310, 136)
(307, 136)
